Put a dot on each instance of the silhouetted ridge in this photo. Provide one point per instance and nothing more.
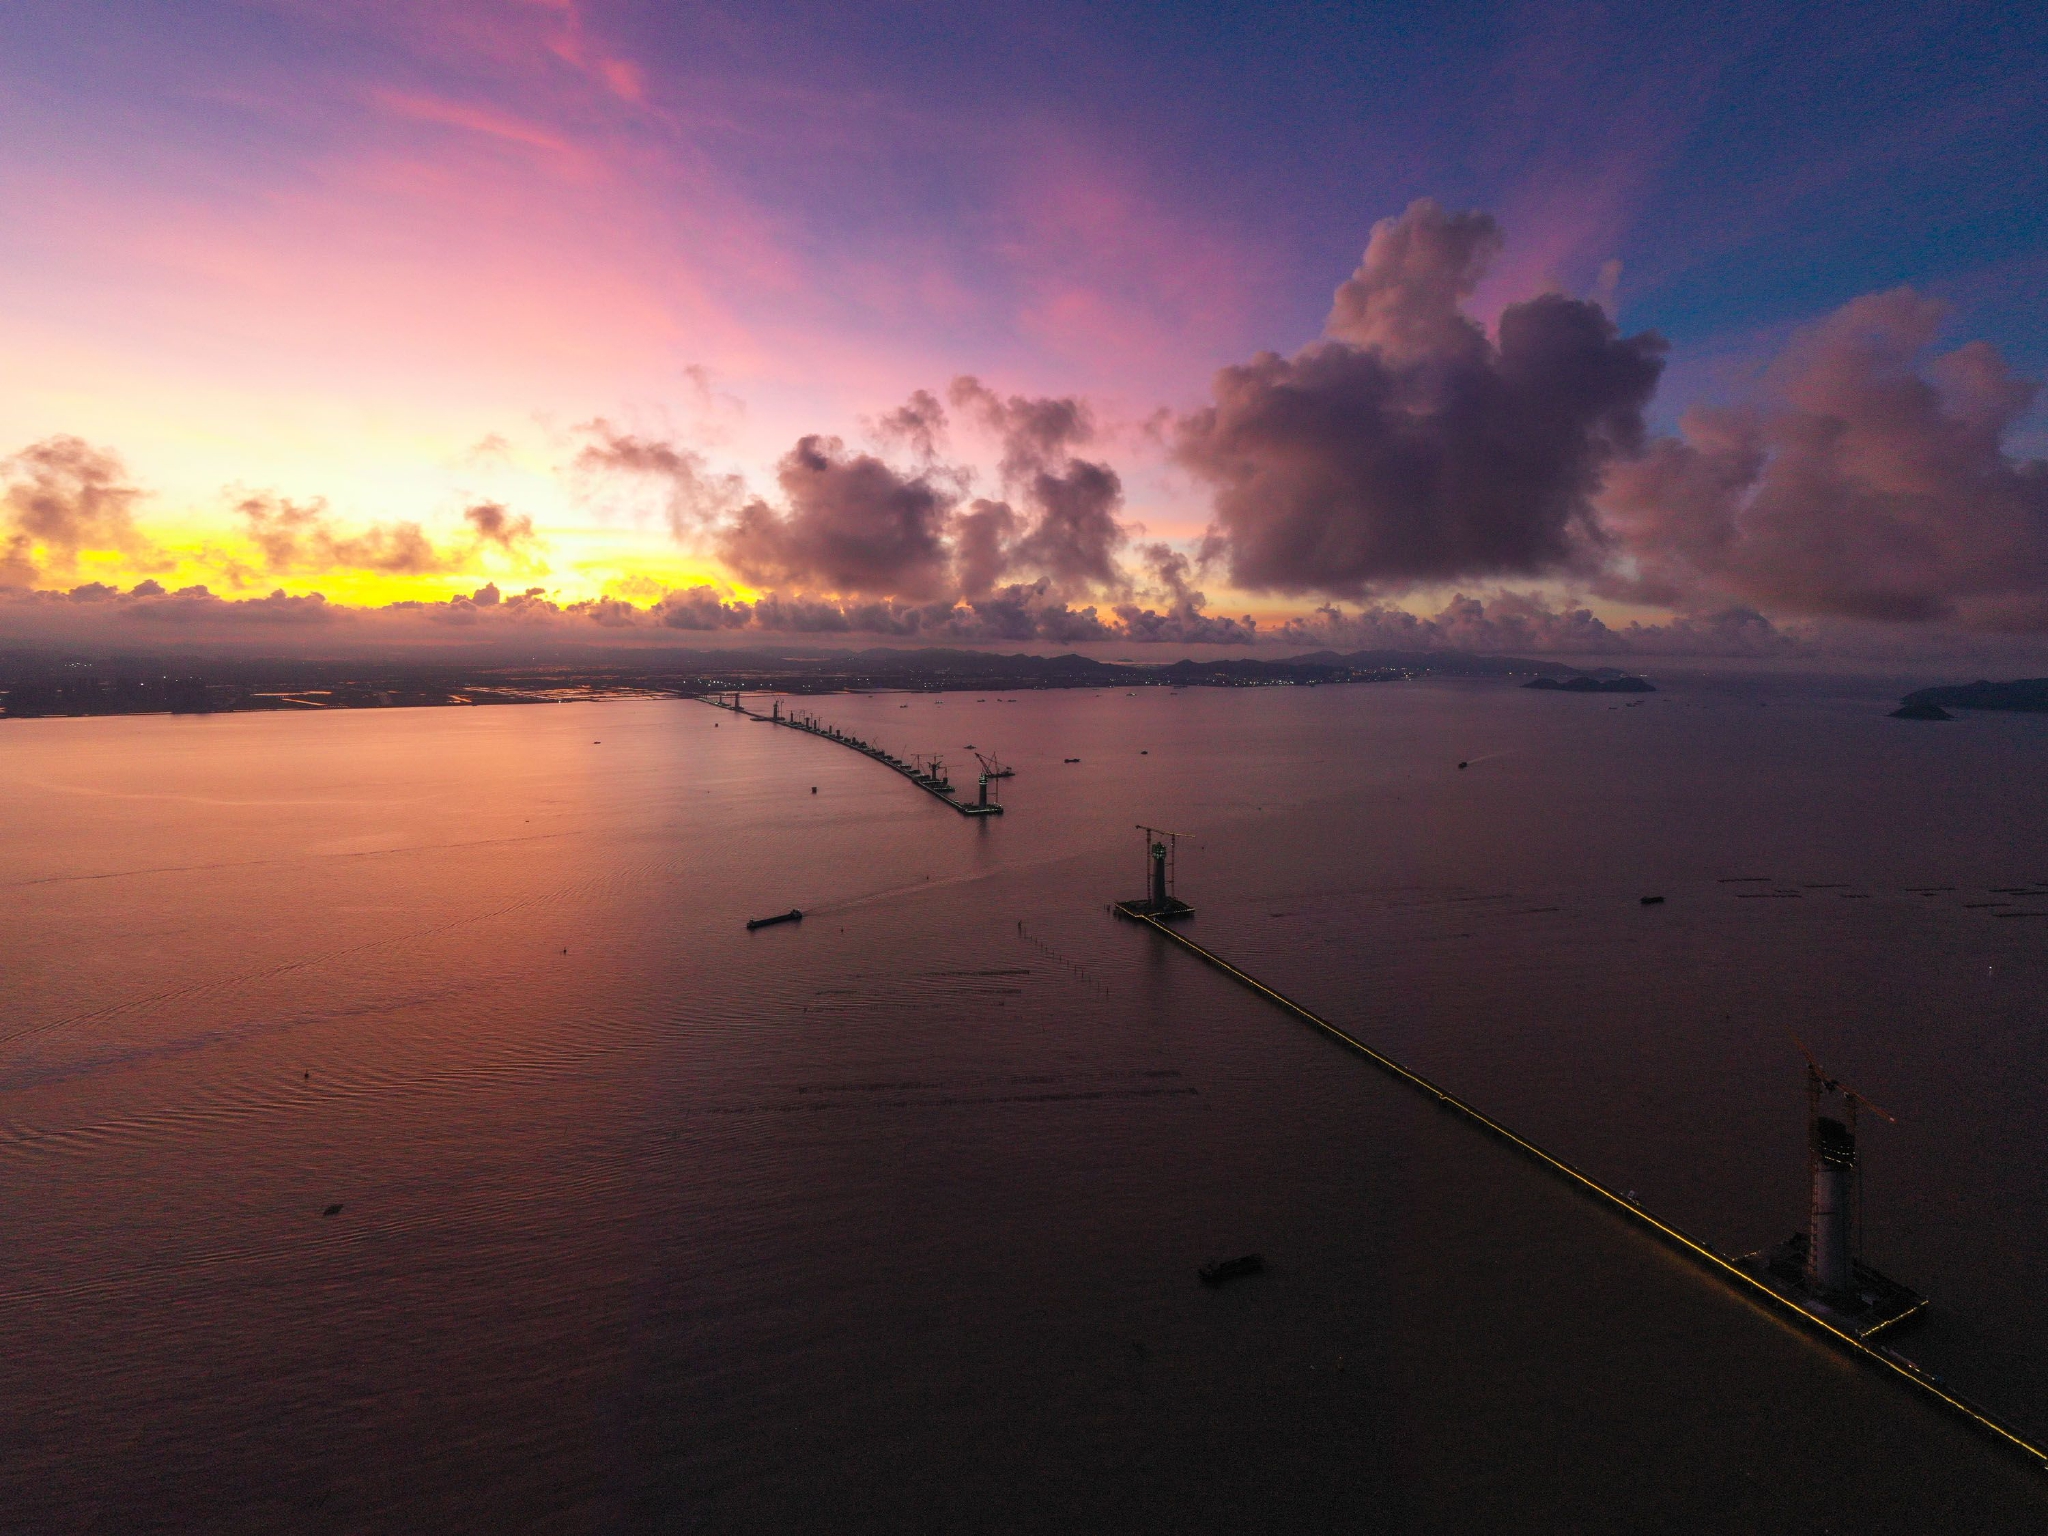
(1594, 685)
(2027, 694)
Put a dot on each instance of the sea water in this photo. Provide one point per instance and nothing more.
(889, 1220)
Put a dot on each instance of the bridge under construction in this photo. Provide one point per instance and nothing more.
(929, 775)
(1745, 1274)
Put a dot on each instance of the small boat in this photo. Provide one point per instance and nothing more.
(1653, 901)
(1231, 1269)
(791, 916)
(1073, 759)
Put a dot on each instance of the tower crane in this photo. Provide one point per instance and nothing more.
(1819, 1084)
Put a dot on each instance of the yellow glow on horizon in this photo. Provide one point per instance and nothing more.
(567, 565)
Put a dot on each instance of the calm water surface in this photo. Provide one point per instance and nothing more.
(890, 1221)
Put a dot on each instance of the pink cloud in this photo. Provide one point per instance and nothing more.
(535, 41)
(449, 114)
(1865, 478)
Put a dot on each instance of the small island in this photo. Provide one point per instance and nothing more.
(2028, 695)
(1584, 684)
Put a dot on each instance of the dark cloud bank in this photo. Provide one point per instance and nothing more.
(1865, 481)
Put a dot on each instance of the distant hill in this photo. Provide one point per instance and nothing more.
(2027, 694)
(55, 685)
(1462, 664)
(1594, 685)
(881, 661)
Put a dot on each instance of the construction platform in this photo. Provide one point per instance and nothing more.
(1873, 1303)
(1164, 911)
(935, 785)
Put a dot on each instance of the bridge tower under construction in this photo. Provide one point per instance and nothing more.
(1162, 856)
(1821, 1270)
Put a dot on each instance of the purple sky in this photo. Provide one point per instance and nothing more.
(288, 292)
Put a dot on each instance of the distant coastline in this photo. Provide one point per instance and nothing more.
(44, 686)
(1585, 684)
(2026, 695)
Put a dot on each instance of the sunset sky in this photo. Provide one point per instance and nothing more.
(1033, 325)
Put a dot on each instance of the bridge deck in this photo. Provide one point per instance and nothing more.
(939, 789)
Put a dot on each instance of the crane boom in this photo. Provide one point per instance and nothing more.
(1820, 1083)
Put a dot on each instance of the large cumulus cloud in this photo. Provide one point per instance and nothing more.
(850, 523)
(1076, 534)
(984, 544)
(65, 497)
(1036, 432)
(1183, 621)
(1069, 530)
(1864, 481)
(859, 528)
(1409, 448)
